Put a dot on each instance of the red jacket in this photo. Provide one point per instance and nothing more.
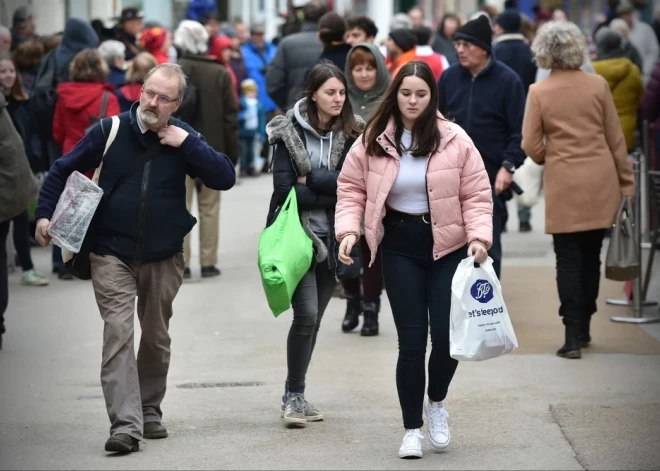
(437, 62)
(218, 46)
(78, 107)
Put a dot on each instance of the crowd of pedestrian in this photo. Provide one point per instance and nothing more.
(402, 155)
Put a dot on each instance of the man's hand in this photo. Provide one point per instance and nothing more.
(172, 135)
(345, 249)
(503, 181)
(303, 179)
(41, 234)
(478, 251)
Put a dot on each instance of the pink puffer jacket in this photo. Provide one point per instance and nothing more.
(459, 192)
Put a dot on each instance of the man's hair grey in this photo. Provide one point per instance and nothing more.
(4, 31)
(171, 70)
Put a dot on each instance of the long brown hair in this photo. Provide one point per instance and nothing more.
(345, 122)
(17, 90)
(425, 134)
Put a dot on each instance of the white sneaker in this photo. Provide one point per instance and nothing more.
(412, 444)
(437, 425)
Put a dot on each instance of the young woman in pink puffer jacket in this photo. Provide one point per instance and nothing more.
(422, 188)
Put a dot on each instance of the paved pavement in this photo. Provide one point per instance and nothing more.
(522, 411)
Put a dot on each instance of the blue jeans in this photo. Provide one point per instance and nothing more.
(524, 214)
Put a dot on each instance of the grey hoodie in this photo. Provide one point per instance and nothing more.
(365, 104)
(318, 147)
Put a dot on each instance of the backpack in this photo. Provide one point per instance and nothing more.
(44, 97)
(93, 120)
(187, 112)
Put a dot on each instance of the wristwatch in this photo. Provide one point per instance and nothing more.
(508, 165)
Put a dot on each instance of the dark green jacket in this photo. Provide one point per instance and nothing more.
(17, 184)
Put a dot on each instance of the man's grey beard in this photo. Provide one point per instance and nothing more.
(148, 118)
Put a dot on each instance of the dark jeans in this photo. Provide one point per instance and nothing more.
(4, 282)
(309, 302)
(22, 240)
(371, 279)
(246, 150)
(419, 290)
(578, 273)
(500, 215)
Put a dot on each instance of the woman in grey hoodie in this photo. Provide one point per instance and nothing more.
(311, 143)
(368, 80)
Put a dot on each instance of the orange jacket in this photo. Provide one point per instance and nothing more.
(403, 59)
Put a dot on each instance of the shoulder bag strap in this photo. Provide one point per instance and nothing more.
(111, 138)
(104, 104)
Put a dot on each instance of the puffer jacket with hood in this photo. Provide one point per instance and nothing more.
(623, 77)
(365, 104)
(78, 107)
(17, 184)
(459, 193)
(300, 150)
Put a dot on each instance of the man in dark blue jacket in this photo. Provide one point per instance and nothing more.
(511, 48)
(138, 247)
(487, 99)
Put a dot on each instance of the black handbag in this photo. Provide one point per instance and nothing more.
(346, 272)
(79, 265)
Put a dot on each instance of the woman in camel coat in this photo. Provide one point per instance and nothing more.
(571, 126)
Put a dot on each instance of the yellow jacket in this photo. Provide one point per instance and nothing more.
(625, 81)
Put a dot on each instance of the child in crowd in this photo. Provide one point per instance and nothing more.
(252, 124)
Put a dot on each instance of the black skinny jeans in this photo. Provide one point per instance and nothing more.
(4, 282)
(22, 241)
(309, 302)
(419, 290)
(578, 273)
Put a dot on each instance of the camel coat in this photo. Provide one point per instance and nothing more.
(587, 170)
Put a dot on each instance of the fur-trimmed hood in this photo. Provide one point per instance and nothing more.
(283, 128)
(290, 131)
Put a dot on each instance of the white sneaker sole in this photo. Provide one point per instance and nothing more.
(309, 418)
(410, 454)
(294, 422)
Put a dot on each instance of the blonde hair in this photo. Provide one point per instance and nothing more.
(559, 45)
(88, 66)
(140, 67)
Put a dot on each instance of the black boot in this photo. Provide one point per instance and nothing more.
(370, 325)
(585, 335)
(352, 317)
(571, 348)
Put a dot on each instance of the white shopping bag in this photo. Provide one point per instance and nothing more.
(479, 327)
(529, 177)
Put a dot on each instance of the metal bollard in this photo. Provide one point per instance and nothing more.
(638, 303)
(642, 179)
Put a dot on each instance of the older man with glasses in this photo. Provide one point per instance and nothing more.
(138, 242)
(487, 99)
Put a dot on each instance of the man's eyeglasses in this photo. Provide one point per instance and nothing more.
(462, 44)
(162, 99)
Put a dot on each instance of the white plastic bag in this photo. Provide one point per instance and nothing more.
(530, 178)
(74, 212)
(480, 327)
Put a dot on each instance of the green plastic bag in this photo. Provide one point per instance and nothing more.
(285, 255)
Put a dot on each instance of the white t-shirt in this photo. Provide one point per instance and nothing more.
(408, 195)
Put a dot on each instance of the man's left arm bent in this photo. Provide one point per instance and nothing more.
(214, 169)
(513, 156)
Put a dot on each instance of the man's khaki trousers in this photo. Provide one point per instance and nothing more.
(134, 390)
(208, 205)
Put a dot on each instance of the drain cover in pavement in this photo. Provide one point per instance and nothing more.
(246, 384)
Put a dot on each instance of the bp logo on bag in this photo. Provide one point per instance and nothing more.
(482, 291)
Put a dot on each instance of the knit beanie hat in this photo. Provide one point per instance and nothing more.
(404, 38)
(509, 21)
(478, 32)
